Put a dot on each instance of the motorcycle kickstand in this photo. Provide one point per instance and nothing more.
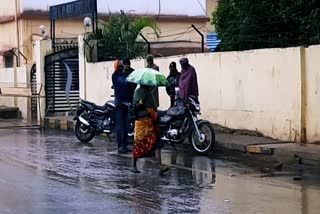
(174, 147)
(109, 138)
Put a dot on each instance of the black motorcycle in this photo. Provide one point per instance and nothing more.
(181, 122)
(92, 120)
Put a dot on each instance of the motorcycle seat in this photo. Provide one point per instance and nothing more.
(164, 119)
(111, 103)
(161, 113)
(176, 111)
(93, 106)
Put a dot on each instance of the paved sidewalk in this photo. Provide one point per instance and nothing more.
(242, 143)
(16, 123)
(269, 147)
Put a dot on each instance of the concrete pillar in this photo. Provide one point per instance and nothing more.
(303, 122)
(42, 48)
(82, 69)
(23, 80)
(28, 80)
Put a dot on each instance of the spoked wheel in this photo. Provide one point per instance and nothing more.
(83, 132)
(204, 143)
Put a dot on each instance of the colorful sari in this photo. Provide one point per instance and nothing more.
(146, 130)
(145, 135)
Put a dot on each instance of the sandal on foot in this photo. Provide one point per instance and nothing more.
(163, 170)
(135, 170)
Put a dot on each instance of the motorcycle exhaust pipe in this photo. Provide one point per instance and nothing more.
(84, 121)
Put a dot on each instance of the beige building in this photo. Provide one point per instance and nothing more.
(20, 21)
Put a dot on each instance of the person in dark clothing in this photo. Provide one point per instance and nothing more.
(131, 86)
(188, 85)
(173, 79)
(121, 88)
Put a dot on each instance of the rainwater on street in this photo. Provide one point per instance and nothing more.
(53, 173)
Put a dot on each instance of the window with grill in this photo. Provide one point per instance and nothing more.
(8, 60)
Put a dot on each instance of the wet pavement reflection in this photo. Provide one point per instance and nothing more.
(54, 173)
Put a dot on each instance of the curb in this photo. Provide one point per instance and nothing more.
(231, 146)
(252, 148)
(256, 149)
(310, 157)
(59, 124)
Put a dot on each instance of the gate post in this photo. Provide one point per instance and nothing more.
(82, 69)
(42, 48)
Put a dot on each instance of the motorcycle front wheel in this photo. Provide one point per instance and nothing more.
(131, 129)
(204, 143)
(83, 133)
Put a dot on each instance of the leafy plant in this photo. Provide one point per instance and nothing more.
(119, 36)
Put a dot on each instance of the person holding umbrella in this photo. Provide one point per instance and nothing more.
(146, 140)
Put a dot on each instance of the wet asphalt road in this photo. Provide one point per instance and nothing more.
(54, 173)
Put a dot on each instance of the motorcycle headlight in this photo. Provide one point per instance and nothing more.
(198, 107)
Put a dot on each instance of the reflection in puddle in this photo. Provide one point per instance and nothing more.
(203, 171)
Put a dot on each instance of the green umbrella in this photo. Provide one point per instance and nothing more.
(149, 77)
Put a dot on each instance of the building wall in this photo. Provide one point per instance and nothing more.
(2, 65)
(7, 79)
(8, 35)
(71, 28)
(170, 31)
(8, 38)
(173, 31)
(312, 55)
(150, 7)
(211, 6)
(31, 32)
(256, 90)
(23, 80)
(8, 8)
(8, 29)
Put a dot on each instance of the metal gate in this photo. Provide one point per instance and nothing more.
(62, 81)
(34, 101)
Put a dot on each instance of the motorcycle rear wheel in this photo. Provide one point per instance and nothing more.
(83, 133)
